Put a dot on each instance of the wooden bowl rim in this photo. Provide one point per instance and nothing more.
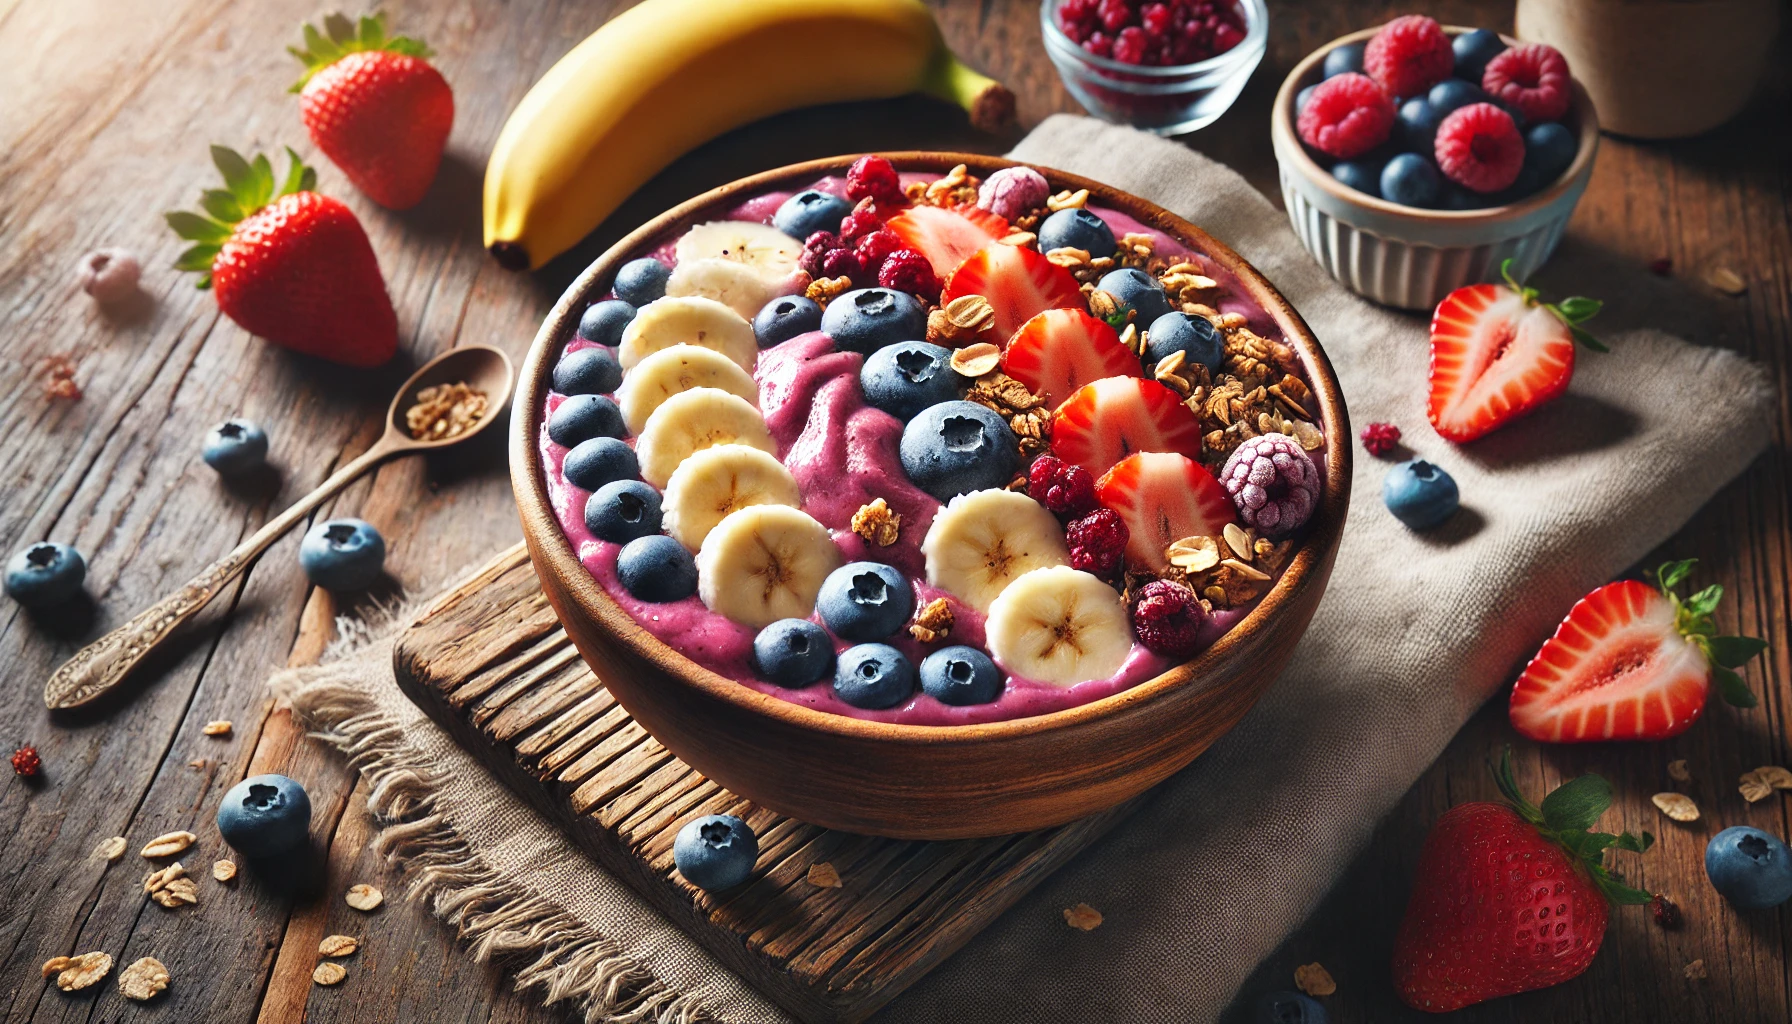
(551, 546)
(1281, 127)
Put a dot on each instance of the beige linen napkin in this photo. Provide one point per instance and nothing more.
(1415, 632)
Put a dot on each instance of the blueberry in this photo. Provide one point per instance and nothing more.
(873, 676)
(784, 318)
(1749, 867)
(235, 446)
(1135, 289)
(794, 653)
(1286, 1008)
(1419, 494)
(265, 815)
(1451, 95)
(954, 447)
(46, 574)
(715, 852)
(589, 371)
(599, 461)
(1473, 51)
(1363, 174)
(583, 417)
(904, 378)
(622, 510)
(1076, 228)
(603, 321)
(1301, 97)
(1518, 119)
(641, 281)
(1455, 197)
(342, 554)
(1548, 150)
(657, 569)
(870, 318)
(1194, 336)
(1416, 126)
(808, 212)
(1344, 59)
(1411, 180)
(960, 676)
(865, 601)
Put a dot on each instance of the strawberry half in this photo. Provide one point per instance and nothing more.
(1510, 897)
(1019, 283)
(1109, 419)
(1498, 353)
(1631, 662)
(1060, 350)
(1163, 497)
(946, 237)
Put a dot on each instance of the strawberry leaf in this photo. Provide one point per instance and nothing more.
(251, 186)
(1705, 601)
(1672, 574)
(341, 29)
(1626, 841)
(1578, 309)
(343, 36)
(262, 179)
(1735, 690)
(1734, 651)
(1581, 335)
(221, 205)
(199, 257)
(1502, 777)
(194, 228)
(1575, 805)
(1612, 885)
(1564, 819)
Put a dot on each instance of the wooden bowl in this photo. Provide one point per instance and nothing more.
(911, 781)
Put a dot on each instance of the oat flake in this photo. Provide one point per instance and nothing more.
(1314, 980)
(224, 870)
(338, 945)
(74, 973)
(364, 897)
(1726, 280)
(329, 973)
(1775, 776)
(1695, 971)
(1677, 806)
(110, 849)
(976, 360)
(824, 876)
(1082, 917)
(168, 845)
(1755, 787)
(221, 727)
(143, 980)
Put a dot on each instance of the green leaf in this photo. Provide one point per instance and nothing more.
(1705, 601)
(1672, 574)
(263, 172)
(221, 205)
(1575, 805)
(340, 28)
(1616, 891)
(321, 50)
(1588, 340)
(238, 177)
(1627, 841)
(372, 31)
(1735, 690)
(295, 174)
(1508, 785)
(195, 228)
(199, 257)
(1734, 651)
(1578, 308)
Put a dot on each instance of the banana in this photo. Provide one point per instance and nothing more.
(738, 287)
(713, 482)
(680, 368)
(667, 75)
(764, 563)
(1059, 625)
(761, 248)
(688, 320)
(982, 540)
(693, 420)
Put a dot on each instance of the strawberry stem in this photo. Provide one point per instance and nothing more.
(1565, 818)
(248, 186)
(342, 37)
(1572, 311)
(1693, 619)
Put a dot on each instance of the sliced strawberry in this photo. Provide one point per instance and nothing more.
(1495, 356)
(1060, 350)
(1163, 497)
(946, 237)
(1018, 282)
(1112, 418)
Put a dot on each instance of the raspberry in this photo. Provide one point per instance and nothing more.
(1666, 913)
(1346, 116)
(873, 249)
(1155, 19)
(908, 271)
(25, 761)
(1409, 55)
(1076, 18)
(1013, 191)
(815, 247)
(1099, 43)
(1479, 148)
(860, 222)
(1273, 484)
(874, 178)
(1533, 77)
(1097, 542)
(1168, 618)
(1130, 45)
(1065, 489)
(1381, 438)
(1114, 14)
(842, 263)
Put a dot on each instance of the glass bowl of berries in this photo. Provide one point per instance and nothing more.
(1416, 158)
(1166, 66)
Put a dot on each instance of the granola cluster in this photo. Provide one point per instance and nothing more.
(966, 320)
(877, 523)
(932, 622)
(1227, 571)
(957, 188)
(1026, 413)
(445, 410)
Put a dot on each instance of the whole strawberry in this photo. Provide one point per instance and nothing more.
(375, 106)
(1510, 897)
(293, 267)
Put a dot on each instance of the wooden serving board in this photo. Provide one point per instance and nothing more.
(490, 664)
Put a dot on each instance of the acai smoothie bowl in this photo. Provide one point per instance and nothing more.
(930, 495)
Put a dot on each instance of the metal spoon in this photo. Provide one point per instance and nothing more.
(100, 666)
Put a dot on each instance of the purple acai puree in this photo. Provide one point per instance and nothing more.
(843, 454)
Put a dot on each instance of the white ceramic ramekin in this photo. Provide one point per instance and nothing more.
(1409, 257)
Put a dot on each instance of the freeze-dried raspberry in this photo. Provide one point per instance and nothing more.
(1012, 191)
(1097, 542)
(1381, 438)
(1064, 488)
(1168, 617)
(1273, 483)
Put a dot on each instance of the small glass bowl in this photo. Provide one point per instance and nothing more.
(1167, 100)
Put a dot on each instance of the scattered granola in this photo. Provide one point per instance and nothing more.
(823, 290)
(1678, 771)
(1726, 280)
(1082, 917)
(1695, 971)
(59, 379)
(1238, 540)
(1677, 806)
(963, 321)
(1018, 238)
(364, 896)
(143, 980)
(329, 973)
(877, 523)
(74, 973)
(976, 360)
(110, 849)
(1759, 784)
(338, 945)
(155, 881)
(822, 875)
(175, 893)
(1775, 776)
(957, 188)
(1314, 980)
(221, 727)
(1067, 200)
(444, 411)
(1085, 266)
(224, 870)
(1136, 249)
(1193, 554)
(1226, 571)
(1184, 283)
(168, 845)
(932, 622)
(1027, 415)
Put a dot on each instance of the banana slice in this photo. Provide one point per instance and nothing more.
(764, 563)
(672, 370)
(982, 540)
(693, 420)
(713, 482)
(688, 320)
(738, 287)
(1059, 625)
(769, 253)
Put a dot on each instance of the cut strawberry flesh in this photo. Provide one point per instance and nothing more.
(1019, 283)
(946, 237)
(1105, 421)
(1616, 669)
(1163, 497)
(1060, 350)
(1493, 358)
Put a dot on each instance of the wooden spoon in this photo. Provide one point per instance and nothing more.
(100, 666)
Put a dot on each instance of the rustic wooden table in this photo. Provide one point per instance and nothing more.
(109, 109)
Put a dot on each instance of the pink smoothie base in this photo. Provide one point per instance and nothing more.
(843, 454)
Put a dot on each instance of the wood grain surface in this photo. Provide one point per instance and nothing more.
(108, 108)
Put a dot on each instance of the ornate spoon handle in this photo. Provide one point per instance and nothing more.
(103, 664)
